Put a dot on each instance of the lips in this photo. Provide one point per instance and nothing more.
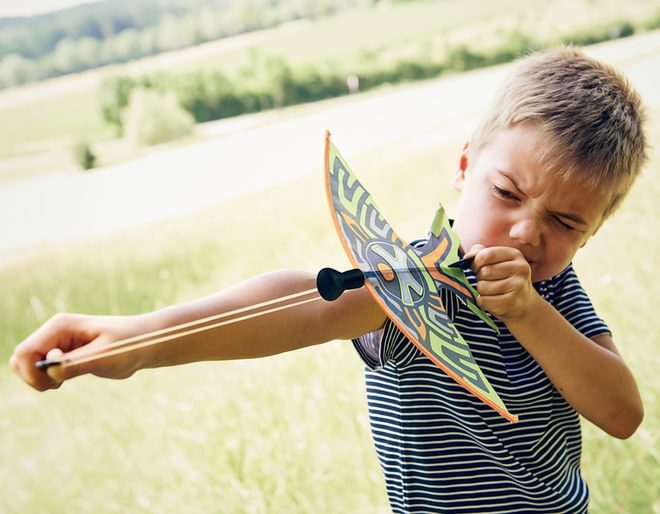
(531, 261)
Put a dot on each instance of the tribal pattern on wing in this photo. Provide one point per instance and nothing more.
(405, 281)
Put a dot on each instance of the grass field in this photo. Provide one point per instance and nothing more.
(289, 433)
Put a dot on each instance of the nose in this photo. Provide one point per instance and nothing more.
(526, 231)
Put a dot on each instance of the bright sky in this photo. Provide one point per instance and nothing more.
(29, 7)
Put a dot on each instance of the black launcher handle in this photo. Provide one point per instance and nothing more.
(332, 283)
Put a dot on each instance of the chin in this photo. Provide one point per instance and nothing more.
(538, 275)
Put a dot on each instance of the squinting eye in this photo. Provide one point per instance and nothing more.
(562, 224)
(503, 193)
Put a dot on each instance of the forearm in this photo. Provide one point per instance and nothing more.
(592, 378)
(284, 330)
(87, 344)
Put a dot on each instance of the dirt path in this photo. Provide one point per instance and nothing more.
(236, 158)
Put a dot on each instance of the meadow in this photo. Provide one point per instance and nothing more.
(287, 433)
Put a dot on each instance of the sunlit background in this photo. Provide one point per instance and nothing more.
(153, 151)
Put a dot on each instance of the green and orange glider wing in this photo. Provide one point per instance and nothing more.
(404, 281)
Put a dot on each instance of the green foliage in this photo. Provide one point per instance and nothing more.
(594, 35)
(83, 155)
(270, 81)
(114, 95)
(652, 22)
(116, 31)
(155, 117)
(417, 37)
(205, 95)
(16, 69)
(211, 95)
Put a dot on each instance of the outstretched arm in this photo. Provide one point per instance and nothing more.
(353, 314)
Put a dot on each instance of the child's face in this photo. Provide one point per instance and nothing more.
(509, 199)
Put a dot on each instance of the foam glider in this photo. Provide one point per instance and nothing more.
(403, 280)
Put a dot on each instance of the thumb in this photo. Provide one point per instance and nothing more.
(55, 372)
(68, 367)
(474, 250)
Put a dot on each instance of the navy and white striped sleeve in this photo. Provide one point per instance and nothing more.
(571, 300)
(388, 345)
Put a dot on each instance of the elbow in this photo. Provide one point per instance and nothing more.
(624, 426)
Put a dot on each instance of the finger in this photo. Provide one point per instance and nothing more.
(503, 270)
(34, 348)
(22, 363)
(501, 254)
(495, 254)
(497, 304)
(69, 368)
(473, 251)
(508, 285)
(466, 261)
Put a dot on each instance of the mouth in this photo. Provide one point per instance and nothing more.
(531, 262)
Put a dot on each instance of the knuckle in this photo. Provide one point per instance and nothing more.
(61, 319)
(484, 255)
(521, 265)
(483, 273)
(21, 352)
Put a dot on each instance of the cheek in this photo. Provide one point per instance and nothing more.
(486, 226)
(561, 252)
(481, 218)
(493, 220)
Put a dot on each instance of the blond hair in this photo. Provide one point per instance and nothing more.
(590, 115)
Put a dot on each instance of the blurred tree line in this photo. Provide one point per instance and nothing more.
(116, 31)
(267, 81)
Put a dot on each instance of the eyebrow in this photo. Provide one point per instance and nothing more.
(511, 179)
(567, 215)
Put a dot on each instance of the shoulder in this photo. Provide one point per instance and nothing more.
(565, 284)
(565, 293)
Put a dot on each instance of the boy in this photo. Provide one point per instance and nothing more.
(550, 162)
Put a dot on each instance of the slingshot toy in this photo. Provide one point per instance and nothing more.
(403, 280)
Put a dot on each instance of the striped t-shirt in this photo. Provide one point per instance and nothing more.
(442, 450)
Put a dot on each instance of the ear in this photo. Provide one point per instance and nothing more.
(459, 178)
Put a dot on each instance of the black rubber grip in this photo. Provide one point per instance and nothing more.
(332, 283)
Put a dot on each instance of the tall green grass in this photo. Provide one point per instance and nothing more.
(289, 433)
